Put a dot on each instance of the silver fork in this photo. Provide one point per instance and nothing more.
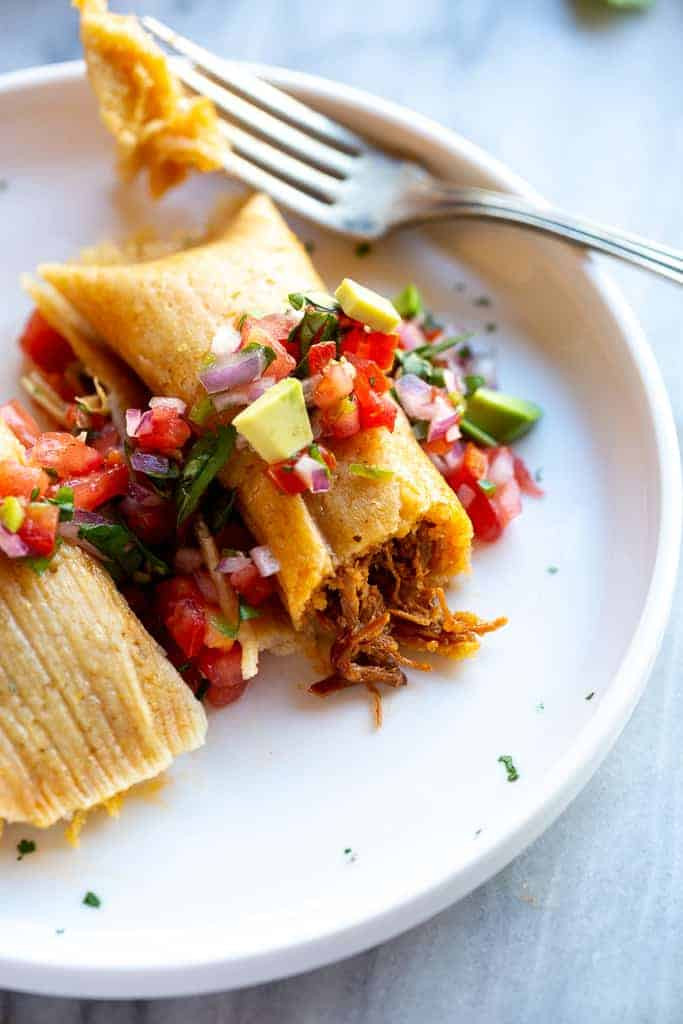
(320, 169)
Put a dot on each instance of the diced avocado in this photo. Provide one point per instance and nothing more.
(360, 303)
(276, 425)
(503, 417)
(11, 513)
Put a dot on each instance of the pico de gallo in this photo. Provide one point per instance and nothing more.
(138, 489)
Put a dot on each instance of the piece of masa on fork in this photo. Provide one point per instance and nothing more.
(321, 170)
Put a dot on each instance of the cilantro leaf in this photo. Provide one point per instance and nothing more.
(91, 900)
(247, 612)
(64, 500)
(124, 554)
(512, 772)
(206, 458)
(24, 847)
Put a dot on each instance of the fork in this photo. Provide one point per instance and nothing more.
(320, 169)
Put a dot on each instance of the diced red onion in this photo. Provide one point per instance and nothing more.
(133, 417)
(415, 395)
(409, 335)
(259, 387)
(11, 544)
(445, 417)
(69, 531)
(451, 380)
(265, 561)
(453, 457)
(501, 467)
(315, 476)
(84, 515)
(233, 372)
(140, 495)
(188, 560)
(233, 563)
(226, 340)
(466, 495)
(146, 463)
(168, 403)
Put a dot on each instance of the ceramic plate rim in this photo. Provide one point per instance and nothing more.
(65, 976)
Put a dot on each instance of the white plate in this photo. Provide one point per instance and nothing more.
(237, 872)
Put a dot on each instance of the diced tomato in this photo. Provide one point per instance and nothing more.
(283, 364)
(375, 410)
(342, 419)
(183, 611)
(223, 669)
(98, 487)
(164, 431)
(39, 528)
(374, 375)
(378, 347)
(483, 514)
(65, 454)
(283, 476)
(214, 637)
(507, 502)
(336, 382)
(475, 461)
(439, 446)
(44, 346)
(320, 354)
(21, 480)
(20, 422)
(147, 513)
(78, 418)
(253, 587)
(525, 480)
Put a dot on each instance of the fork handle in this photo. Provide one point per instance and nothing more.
(438, 200)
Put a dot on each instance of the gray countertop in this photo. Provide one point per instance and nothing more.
(587, 925)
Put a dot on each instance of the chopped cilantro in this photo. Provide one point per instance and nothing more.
(35, 494)
(59, 931)
(125, 555)
(540, 706)
(222, 626)
(538, 475)
(512, 773)
(64, 500)
(552, 570)
(408, 302)
(436, 348)
(202, 689)
(247, 612)
(309, 246)
(363, 249)
(490, 327)
(268, 353)
(473, 382)
(370, 472)
(482, 300)
(589, 696)
(420, 366)
(487, 486)
(201, 411)
(206, 458)
(219, 503)
(24, 847)
(420, 429)
(91, 900)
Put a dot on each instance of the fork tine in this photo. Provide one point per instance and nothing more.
(284, 194)
(280, 103)
(280, 164)
(303, 146)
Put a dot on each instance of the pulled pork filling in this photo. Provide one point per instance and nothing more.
(386, 600)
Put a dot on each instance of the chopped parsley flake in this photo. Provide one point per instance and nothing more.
(202, 690)
(59, 931)
(552, 570)
(482, 300)
(589, 696)
(91, 900)
(350, 855)
(24, 847)
(490, 327)
(540, 706)
(512, 773)
(363, 249)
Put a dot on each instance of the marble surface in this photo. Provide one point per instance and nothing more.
(587, 925)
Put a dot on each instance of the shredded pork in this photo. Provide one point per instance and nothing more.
(384, 601)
